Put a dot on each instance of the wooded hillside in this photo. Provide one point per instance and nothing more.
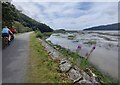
(12, 16)
(110, 27)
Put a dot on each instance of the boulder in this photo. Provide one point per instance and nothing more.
(54, 55)
(74, 75)
(65, 66)
(63, 61)
(85, 76)
(85, 82)
(76, 68)
(95, 80)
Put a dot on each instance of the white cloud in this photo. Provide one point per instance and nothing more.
(72, 15)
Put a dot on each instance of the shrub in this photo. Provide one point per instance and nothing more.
(47, 34)
(21, 28)
(90, 42)
(39, 34)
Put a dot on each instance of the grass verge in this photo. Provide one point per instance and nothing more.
(41, 68)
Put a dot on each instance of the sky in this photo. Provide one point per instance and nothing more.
(70, 15)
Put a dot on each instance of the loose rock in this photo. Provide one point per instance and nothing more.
(65, 66)
(63, 61)
(85, 76)
(74, 75)
(76, 68)
(94, 80)
(85, 82)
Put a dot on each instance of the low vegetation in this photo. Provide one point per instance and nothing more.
(60, 31)
(47, 34)
(71, 37)
(38, 34)
(72, 57)
(21, 28)
(44, 35)
(42, 69)
(91, 42)
(67, 53)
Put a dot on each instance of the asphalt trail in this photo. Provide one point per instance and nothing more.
(15, 59)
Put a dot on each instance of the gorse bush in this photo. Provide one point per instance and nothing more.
(39, 34)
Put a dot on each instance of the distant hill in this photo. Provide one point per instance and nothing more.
(111, 27)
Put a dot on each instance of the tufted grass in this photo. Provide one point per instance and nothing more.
(41, 68)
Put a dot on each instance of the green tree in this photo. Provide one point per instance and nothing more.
(9, 13)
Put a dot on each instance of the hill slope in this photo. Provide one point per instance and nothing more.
(105, 27)
(10, 15)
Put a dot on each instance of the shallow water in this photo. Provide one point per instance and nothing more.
(104, 57)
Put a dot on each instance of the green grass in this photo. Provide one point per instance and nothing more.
(84, 64)
(41, 68)
(73, 57)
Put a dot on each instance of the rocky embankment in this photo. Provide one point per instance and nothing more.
(75, 74)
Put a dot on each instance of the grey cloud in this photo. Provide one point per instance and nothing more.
(70, 15)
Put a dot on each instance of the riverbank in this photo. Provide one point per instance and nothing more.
(75, 74)
(75, 59)
(41, 68)
(50, 53)
(83, 64)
